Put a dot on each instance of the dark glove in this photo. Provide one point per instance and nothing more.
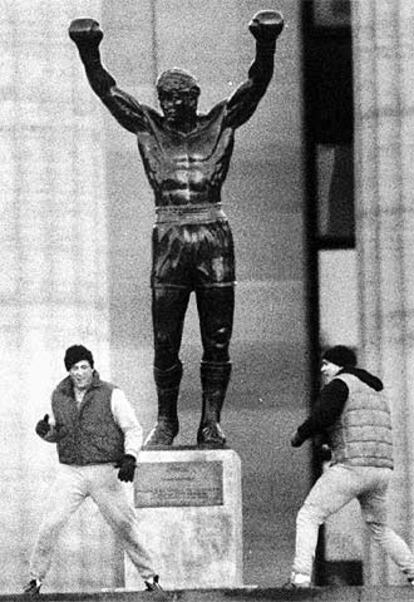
(43, 426)
(126, 465)
(324, 453)
(296, 440)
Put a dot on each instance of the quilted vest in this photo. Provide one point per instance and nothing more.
(88, 434)
(362, 436)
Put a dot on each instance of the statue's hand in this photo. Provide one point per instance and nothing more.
(266, 25)
(85, 32)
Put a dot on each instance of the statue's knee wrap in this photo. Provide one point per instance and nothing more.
(216, 346)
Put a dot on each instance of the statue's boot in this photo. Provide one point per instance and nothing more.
(166, 428)
(214, 380)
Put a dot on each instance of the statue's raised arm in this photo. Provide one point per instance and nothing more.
(265, 26)
(87, 35)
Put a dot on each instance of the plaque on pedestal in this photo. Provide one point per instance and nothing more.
(178, 484)
(189, 509)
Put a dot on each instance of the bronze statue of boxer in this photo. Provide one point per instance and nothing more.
(186, 157)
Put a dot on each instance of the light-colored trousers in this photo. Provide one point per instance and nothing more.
(71, 487)
(337, 486)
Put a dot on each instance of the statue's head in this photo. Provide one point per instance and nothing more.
(178, 94)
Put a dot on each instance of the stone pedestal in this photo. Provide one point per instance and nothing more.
(189, 509)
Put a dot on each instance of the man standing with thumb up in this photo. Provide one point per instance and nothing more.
(98, 439)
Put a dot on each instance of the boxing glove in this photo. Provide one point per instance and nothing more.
(266, 25)
(85, 32)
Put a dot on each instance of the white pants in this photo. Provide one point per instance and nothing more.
(72, 486)
(337, 486)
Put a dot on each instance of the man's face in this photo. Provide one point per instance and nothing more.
(178, 106)
(81, 374)
(329, 371)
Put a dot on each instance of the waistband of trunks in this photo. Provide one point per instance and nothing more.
(190, 214)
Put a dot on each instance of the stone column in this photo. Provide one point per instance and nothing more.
(53, 247)
(383, 32)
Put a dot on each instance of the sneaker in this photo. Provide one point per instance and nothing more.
(290, 586)
(153, 585)
(298, 581)
(33, 587)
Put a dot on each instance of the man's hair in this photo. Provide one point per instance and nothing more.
(76, 354)
(177, 80)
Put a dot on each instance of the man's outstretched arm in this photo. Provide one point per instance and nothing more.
(327, 410)
(265, 26)
(87, 36)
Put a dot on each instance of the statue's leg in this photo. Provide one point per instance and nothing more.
(169, 305)
(216, 308)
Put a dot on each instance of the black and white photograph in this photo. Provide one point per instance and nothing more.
(207, 300)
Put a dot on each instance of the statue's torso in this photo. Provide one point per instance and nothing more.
(187, 169)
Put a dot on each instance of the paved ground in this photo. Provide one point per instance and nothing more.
(328, 594)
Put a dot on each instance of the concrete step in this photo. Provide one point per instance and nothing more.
(322, 594)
